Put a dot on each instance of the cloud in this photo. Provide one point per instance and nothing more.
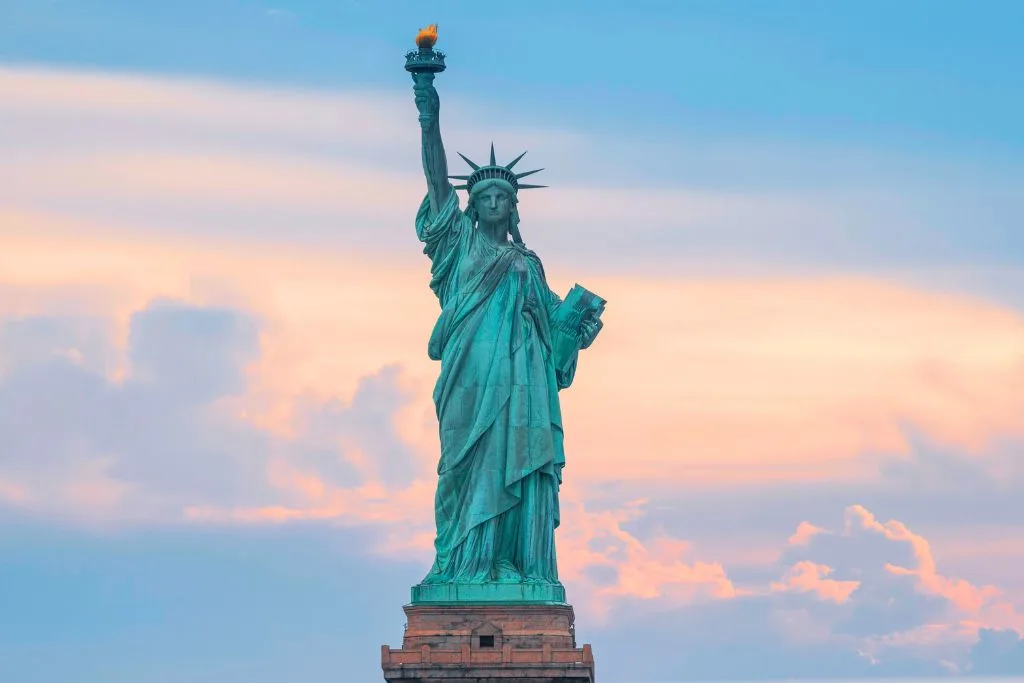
(805, 531)
(826, 374)
(871, 593)
(903, 598)
(213, 310)
(82, 443)
(170, 441)
(960, 593)
(998, 653)
(838, 606)
(820, 373)
(607, 565)
(197, 354)
(841, 606)
(171, 433)
(166, 156)
(808, 577)
(271, 200)
(865, 600)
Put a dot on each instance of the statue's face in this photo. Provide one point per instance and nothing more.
(493, 205)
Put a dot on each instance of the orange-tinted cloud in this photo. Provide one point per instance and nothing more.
(721, 380)
(815, 370)
(818, 371)
(629, 567)
(731, 380)
(983, 605)
(809, 577)
(805, 531)
(944, 627)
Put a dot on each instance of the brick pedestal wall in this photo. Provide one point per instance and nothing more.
(488, 643)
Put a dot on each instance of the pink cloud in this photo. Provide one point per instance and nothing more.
(975, 606)
(947, 636)
(802, 381)
(808, 577)
(370, 503)
(818, 370)
(735, 381)
(962, 594)
(644, 569)
(13, 493)
(648, 569)
(765, 354)
(805, 531)
(809, 367)
(81, 493)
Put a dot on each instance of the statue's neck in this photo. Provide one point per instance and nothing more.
(495, 232)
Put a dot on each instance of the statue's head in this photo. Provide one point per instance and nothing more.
(492, 193)
(493, 202)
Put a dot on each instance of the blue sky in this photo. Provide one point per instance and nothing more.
(216, 440)
(912, 74)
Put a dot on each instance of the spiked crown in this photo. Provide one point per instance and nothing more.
(494, 171)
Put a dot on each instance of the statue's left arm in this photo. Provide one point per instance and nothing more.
(589, 330)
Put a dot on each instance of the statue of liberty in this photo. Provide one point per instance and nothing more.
(507, 345)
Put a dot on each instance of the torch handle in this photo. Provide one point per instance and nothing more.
(422, 78)
(427, 101)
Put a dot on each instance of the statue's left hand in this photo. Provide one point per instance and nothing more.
(589, 331)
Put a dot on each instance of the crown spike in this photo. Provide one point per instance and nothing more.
(473, 165)
(523, 175)
(460, 187)
(515, 161)
(494, 171)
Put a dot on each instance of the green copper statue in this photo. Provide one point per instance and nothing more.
(507, 345)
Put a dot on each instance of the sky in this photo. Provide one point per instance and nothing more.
(799, 437)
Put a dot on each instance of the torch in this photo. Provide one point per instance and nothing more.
(426, 59)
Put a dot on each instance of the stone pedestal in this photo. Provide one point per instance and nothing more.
(489, 643)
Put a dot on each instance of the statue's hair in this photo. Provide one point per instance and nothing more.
(513, 218)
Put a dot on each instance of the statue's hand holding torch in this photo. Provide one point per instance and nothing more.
(423, 64)
(427, 101)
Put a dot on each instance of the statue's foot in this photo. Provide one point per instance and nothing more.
(507, 573)
(434, 576)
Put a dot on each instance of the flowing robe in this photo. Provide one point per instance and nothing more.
(496, 506)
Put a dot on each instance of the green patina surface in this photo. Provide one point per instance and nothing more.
(507, 345)
(487, 593)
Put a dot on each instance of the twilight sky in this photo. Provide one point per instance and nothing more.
(797, 449)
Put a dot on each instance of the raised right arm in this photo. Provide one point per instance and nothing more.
(435, 164)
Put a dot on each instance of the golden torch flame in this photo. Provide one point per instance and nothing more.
(427, 37)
